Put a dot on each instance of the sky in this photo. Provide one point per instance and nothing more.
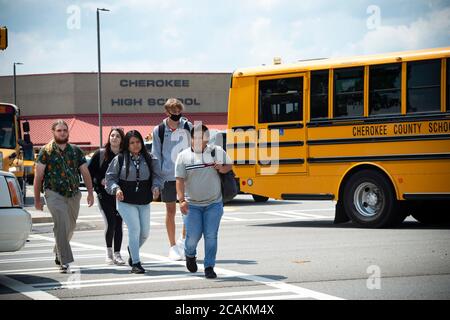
(51, 36)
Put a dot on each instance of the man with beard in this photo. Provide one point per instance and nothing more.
(58, 166)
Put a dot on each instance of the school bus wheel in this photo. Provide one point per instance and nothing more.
(369, 200)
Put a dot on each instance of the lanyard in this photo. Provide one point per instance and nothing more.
(137, 164)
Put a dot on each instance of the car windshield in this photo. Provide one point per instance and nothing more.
(7, 131)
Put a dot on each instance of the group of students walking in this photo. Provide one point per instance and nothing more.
(126, 177)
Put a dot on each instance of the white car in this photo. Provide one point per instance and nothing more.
(15, 222)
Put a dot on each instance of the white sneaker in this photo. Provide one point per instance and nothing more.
(180, 245)
(109, 256)
(174, 253)
(118, 259)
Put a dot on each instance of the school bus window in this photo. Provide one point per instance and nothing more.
(349, 92)
(424, 86)
(281, 100)
(319, 94)
(385, 89)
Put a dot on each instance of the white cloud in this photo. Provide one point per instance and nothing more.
(433, 30)
(169, 35)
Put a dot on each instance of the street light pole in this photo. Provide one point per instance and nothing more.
(99, 78)
(14, 81)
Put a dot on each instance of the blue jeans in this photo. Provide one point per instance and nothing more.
(203, 221)
(137, 219)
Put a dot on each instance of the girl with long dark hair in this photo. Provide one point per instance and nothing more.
(134, 177)
(107, 203)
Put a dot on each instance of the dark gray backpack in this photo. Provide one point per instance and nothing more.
(228, 182)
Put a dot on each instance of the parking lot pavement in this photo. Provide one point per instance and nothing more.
(272, 251)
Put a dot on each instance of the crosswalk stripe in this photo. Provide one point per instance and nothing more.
(25, 289)
(38, 245)
(281, 297)
(74, 284)
(55, 269)
(4, 261)
(225, 272)
(129, 278)
(216, 295)
(25, 252)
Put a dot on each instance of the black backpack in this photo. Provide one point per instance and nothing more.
(161, 130)
(228, 183)
(144, 194)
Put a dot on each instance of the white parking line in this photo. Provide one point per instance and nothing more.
(224, 272)
(228, 218)
(276, 213)
(302, 214)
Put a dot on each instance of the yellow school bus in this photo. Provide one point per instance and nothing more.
(371, 133)
(16, 149)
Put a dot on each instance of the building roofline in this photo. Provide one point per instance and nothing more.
(120, 115)
(106, 73)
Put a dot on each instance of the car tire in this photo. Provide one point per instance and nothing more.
(370, 201)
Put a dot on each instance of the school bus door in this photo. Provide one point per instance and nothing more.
(280, 127)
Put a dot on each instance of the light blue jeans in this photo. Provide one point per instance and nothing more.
(137, 219)
(203, 221)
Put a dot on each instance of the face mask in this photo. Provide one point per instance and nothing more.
(175, 117)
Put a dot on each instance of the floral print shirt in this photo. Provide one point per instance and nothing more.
(62, 173)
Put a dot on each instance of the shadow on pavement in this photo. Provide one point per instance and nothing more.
(239, 279)
(350, 225)
(251, 202)
(244, 262)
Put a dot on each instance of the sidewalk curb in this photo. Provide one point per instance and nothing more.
(36, 220)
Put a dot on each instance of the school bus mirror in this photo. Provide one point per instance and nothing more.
(28, 153)
(26, 126)
(3, 38)
(26, 138)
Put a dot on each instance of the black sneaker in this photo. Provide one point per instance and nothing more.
(57, 262)
(209, 273)
(191, 264)
(130, 261)
(137, 268)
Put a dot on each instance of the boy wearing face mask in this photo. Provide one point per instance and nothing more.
(169, 138)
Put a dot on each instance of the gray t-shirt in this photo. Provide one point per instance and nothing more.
(174, 143)
(202, 182)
